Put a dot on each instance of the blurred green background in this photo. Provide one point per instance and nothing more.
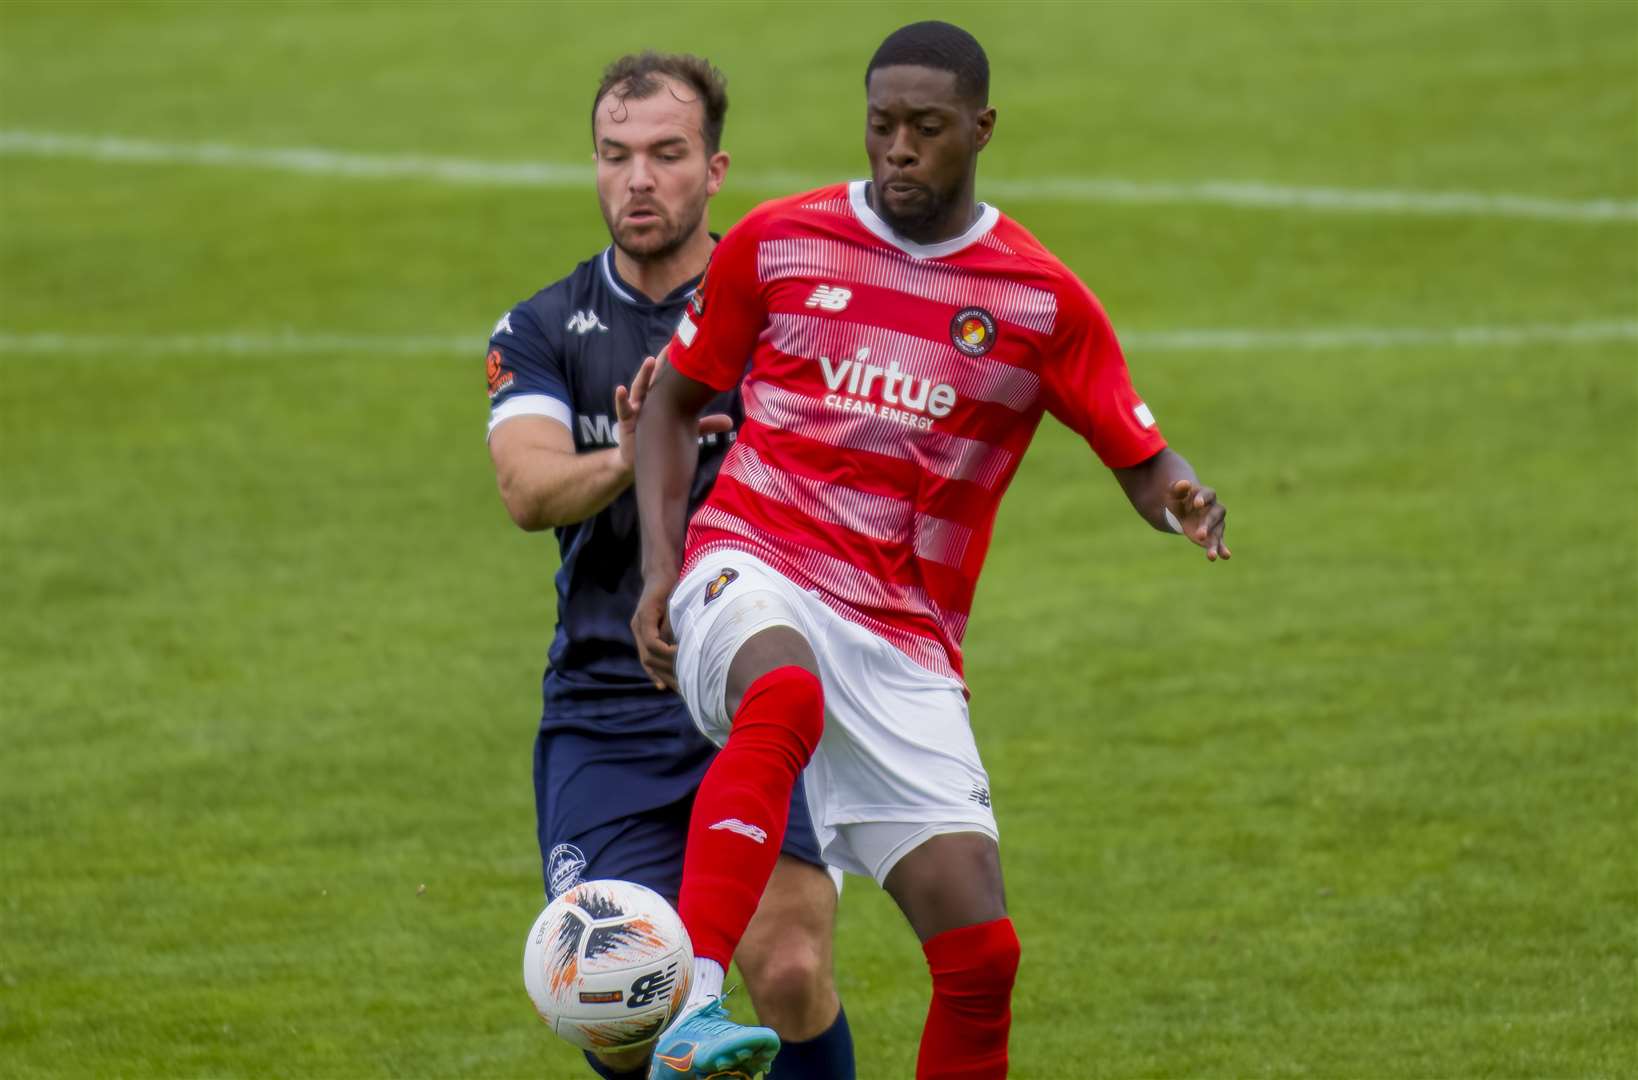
(1359, 804)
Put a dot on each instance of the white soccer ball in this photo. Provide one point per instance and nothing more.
(608, 964)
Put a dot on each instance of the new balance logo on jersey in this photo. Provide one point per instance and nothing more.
(734, 825)
(830, 297)
(584, 322)
(502, 327)
(905, 399)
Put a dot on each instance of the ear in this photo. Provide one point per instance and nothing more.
(986, 126)
(716, 169)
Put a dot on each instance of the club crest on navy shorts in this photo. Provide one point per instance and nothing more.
(720, 582)
(564, 868)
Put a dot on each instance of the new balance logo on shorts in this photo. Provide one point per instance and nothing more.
(980, 795)
(734, 825)
(830, 297)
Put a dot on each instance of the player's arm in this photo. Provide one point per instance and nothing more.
(666, 461)
(1169, 496)
(544, 482)
(707, 355)
(1088, 387)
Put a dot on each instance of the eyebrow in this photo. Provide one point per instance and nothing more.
(674, 140)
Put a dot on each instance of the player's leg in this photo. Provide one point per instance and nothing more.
(785, 957)
(910, 806)
(950, 889)
(750, 679)
(773, 697)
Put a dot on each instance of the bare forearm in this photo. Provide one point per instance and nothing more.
(667, 457)
(1147, 484)
(550, 488)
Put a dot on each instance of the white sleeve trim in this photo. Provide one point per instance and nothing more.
(530, 405)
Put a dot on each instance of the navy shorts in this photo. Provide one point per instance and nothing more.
(610, 804)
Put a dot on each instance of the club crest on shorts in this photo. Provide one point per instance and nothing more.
(973, 331)
(719, 583)
(564, 868)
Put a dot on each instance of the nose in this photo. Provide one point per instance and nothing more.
(901, 153)
(642, 174)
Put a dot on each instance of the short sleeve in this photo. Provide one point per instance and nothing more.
(525, 372)
(1088, 388)
(719, 328)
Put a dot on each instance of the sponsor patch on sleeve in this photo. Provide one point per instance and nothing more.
(500, 379)
(1144, 416)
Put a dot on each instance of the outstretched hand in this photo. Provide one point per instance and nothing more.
(1201, 516)
(628, 405)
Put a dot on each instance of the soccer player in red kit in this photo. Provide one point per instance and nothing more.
(904, 341)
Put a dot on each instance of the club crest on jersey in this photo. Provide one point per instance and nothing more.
(564, 868)
(719, 583)
(500, 380)
(973, 331)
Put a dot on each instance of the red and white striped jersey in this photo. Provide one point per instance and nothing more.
(891, 391)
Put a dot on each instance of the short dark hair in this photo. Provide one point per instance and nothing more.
(942, 46)
(635, 76)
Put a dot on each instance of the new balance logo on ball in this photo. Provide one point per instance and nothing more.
(830, 297)
(734, 825)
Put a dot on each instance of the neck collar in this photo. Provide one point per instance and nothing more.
(987, 217)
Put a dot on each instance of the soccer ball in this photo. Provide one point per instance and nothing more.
(608, 965)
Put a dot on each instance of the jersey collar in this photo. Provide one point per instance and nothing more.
(987, 217)
(632, 296)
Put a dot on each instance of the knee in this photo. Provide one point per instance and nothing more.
(975, 963)
(785, 982)
(792, 694)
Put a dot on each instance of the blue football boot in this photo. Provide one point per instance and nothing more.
(705, 1045)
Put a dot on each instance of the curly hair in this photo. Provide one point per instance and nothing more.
(635, 77)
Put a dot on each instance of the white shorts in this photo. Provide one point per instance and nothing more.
(897, 763)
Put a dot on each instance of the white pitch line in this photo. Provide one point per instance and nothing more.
(293, 342)
(1252, 194)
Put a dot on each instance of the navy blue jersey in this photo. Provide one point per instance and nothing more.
(560, 354)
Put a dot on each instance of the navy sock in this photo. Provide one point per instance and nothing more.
(607, 1073)
(827, 1056)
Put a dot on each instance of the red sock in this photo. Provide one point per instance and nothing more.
(739, 814)
(966, 1034)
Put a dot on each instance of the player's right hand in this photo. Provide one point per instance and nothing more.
(651, 627)
(628, 405)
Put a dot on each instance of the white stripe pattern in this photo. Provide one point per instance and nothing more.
(823, 259)
(949, 456)
(880, 517)
(1248, 194)
(813, 336)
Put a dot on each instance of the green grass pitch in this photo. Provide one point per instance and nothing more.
(1360, 803)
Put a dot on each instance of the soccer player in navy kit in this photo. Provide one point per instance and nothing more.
(617, 758)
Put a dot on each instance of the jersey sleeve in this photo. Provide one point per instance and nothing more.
(525, 371)
(1089, 389)
(719, 328)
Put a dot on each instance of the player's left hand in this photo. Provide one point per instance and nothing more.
(1196, 508)
(628, 405)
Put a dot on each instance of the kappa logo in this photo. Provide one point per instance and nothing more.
(564, 868)
(584, 322)
(502, 327)
(723, 579)
(734, 825)
(829, 297)
(973, 331)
